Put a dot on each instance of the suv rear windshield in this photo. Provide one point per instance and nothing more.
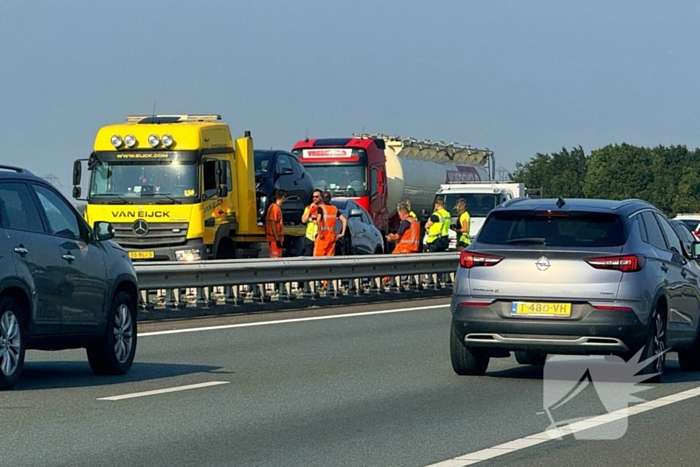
(563, 229)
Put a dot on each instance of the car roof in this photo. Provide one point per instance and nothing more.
(8, 171)
(341, 203)
(622, 207)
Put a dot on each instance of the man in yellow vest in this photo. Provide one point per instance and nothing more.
(462, 229)
(309, 218)
(438, 228)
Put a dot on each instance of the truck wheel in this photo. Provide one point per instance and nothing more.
(114, 353)
(530, 358)
(12, 341)
(466, 360)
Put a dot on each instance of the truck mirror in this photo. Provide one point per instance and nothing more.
(77, 172)
(77, 192)
(222, 191)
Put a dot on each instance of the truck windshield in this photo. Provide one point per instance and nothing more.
(340, 180)
(156, 180)
(478, 204)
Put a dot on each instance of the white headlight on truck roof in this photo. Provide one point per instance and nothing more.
(130, 141)
(116, 141)
(167, 140)
(153, 140)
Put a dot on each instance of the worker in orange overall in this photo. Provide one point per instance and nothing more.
(407, 238)
(327, 216)
(274, 226)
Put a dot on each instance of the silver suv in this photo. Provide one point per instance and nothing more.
(63, 285)
(575, 276)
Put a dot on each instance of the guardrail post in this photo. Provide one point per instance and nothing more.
(201, 300)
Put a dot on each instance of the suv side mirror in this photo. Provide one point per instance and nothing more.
(355, 213)
(103, 231)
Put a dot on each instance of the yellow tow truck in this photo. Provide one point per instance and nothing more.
(176, 187)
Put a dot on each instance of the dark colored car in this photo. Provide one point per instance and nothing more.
(576, 276)
(685, 234)
(281, 169)
(63, 285)
(361, 237)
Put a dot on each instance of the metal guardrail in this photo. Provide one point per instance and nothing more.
(235, 282)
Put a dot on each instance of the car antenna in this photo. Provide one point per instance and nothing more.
(560, 202)
(306, 136)
(154, 111)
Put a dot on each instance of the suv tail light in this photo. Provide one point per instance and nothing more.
(471, 259)
(625, 263)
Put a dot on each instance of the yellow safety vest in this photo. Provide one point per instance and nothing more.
(440, 228)
(464, 237)
(311, 227)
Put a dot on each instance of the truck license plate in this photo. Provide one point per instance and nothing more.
(142, 254)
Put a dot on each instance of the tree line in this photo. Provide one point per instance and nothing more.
(667, 177)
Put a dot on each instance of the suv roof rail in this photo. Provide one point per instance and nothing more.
(12, 168)
(172, 118)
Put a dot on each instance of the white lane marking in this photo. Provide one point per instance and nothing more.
(475, 457)
(285, 321)
(162, 391)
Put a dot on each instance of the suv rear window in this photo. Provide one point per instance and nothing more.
(563, 229)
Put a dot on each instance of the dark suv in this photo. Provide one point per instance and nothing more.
(281, 169)
(63, 285)
(576, 276)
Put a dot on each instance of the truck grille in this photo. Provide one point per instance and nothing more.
(158, 234)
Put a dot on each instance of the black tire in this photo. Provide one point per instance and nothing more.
(466, 360)
(13, 331)
(655, 345)
(530, 358)
(114, 354)
(689, 360)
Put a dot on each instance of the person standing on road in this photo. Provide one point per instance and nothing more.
(438, 227)
(407, 238)
(309, 218)
(274, 225)
(327, 217)
(463, 238)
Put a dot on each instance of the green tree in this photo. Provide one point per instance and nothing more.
(558, 174)
(619, 172)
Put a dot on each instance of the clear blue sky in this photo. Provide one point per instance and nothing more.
(514, 76)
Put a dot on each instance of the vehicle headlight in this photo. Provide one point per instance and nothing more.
(130, 141)
(116, 141)
(153, 140)
(167, 140)
(192, 254)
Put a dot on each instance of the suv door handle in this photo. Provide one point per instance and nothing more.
(21, 250)
(664, 268)
(684, 273)
(68, 258)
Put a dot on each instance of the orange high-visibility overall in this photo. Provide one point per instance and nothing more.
(273, 223)
(324, 245)
(410, 239)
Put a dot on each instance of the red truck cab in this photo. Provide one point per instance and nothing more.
(352, 168)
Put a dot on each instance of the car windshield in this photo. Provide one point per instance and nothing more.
(340, 180)
(692, 224)
(570, 229)
(129, 180)
(478, 204)
(262, 163)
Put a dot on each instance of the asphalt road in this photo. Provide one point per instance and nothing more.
(313, 390)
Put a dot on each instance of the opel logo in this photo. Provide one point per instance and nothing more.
(140, 228)
(542, 263)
